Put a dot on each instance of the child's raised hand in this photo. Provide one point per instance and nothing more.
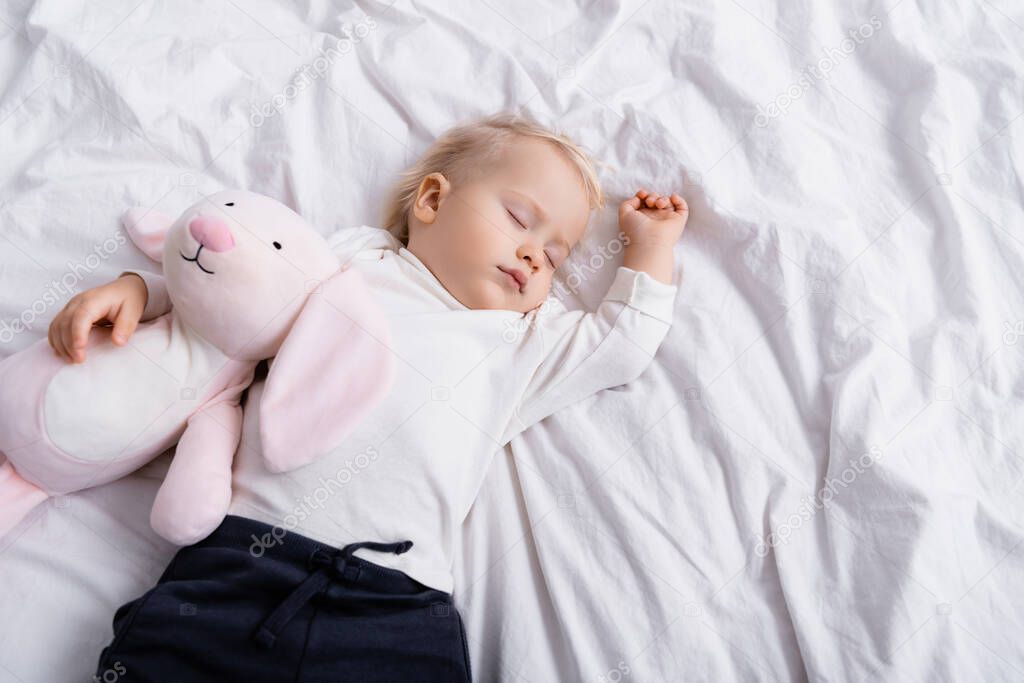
(120, 302)
(648, 217)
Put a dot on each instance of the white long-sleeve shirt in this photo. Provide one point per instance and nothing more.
(467, 381)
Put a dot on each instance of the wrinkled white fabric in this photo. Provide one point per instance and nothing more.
(850, 285)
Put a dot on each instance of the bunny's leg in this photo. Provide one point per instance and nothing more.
(17, 497)
(196, 492)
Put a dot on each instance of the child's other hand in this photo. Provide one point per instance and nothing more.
(648, 218)
(120, 302)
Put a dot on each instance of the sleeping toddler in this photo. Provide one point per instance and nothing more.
(342, 570)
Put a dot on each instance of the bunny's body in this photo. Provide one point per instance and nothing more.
(97, 407)
(239, 270)
(72, 426)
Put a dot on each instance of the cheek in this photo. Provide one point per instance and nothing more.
(476, 228)
(489, 243)
(542, 288)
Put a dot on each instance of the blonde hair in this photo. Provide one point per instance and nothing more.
(469, 147)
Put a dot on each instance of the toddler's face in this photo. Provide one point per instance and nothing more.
(519, 218)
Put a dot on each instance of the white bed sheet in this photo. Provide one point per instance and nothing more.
(851, 284)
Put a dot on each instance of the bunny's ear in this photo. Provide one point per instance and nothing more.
(148, 228)
(334, 366)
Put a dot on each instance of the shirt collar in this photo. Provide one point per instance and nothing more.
(435, 284)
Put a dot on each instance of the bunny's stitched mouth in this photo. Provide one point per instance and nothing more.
(195, 259)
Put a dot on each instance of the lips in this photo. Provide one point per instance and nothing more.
(518, 279)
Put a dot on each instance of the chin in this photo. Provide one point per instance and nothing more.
(480, 301)
(499, 306)
(489, 299)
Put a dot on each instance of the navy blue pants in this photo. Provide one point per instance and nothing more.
(235, 607)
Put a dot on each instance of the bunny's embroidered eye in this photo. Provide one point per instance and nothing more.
(277, 245)
(230, 204)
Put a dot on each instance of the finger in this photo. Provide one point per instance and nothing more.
(126, 322)
(63, 337)
(662, 202)
(628, 207)
(651, 200)
(641, 193)
(63, 331)
(66, 337)
(680, 204)
(53, 334)
(78, 334)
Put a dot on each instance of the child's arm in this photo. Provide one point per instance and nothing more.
(128, 300)
(345, 244)
(158, 301)
(349, 243)
(584, 353)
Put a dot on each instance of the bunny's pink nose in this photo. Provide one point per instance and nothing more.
(212, 233)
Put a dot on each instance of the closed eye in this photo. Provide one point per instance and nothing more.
(516, 219)
(547, 255)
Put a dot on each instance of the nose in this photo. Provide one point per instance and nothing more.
(212, 233)
(532, 254)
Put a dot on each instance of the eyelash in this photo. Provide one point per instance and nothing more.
(513, 217)
(520, 224)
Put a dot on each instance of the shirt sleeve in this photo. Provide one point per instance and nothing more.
(361, 241)
(157, 301)
(346, 245)
(583, 353)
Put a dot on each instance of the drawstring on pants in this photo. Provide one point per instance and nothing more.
(329, 564)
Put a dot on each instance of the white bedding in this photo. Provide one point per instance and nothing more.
(850, 311)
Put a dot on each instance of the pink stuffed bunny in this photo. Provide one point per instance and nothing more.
(241, 269)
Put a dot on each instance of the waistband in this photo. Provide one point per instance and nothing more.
(261, 539)
(323, 562)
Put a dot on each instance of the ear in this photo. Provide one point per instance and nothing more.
(334, 366)
(148, 228)
(433, 190)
